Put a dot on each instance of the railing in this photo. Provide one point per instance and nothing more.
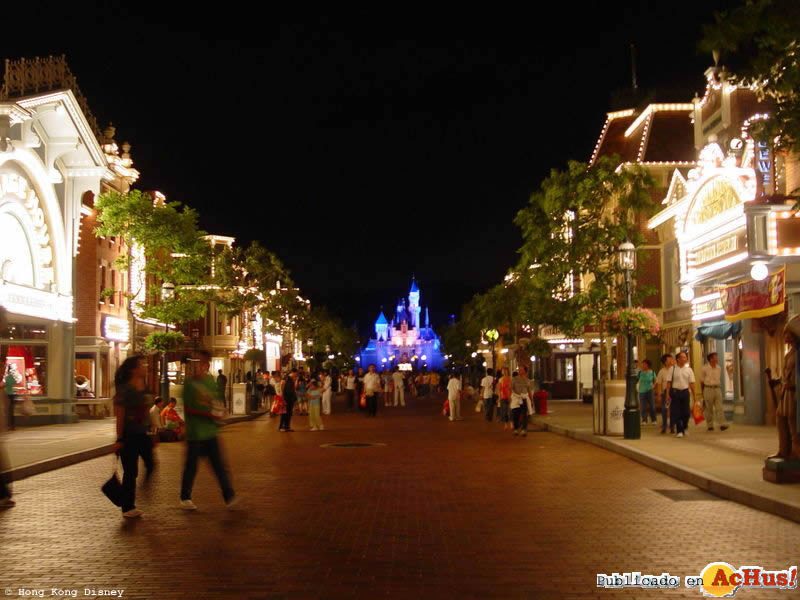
(24, 77)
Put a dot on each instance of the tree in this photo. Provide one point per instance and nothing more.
(762, 40)
(571, 230)
(167, 246)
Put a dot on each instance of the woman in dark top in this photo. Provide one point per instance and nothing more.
(133, 419)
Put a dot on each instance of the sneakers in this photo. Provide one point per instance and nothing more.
(188, 505)
(313, 429)
(132, 513)
(711, 429)
(322, 427)
(6, 502)
(680, 435)
(516, 432)
(723, 428)
(524, 433)
(234, 503)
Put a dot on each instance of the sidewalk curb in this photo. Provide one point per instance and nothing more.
(65, 460)
(713, 485)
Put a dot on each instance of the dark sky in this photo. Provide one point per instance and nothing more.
(364, 149)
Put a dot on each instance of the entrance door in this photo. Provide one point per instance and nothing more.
(565, 383)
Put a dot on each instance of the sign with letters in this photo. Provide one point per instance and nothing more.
(755, 299)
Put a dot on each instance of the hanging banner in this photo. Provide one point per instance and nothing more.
(755, 299)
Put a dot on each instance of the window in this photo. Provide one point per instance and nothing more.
(85, 373)
(102, 284)
(565, 369)
(26, 367)
(113, 287)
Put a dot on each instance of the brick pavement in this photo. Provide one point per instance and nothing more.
(444, 510)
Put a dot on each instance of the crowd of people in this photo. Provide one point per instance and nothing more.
(509, 399)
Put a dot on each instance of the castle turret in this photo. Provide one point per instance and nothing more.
(381, 328)
(413, 304)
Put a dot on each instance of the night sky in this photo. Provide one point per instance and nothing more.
(364, 149)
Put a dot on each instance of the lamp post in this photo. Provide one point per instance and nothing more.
(632, 418)
(167, 293)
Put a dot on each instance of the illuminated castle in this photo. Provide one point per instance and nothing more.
(403, 341)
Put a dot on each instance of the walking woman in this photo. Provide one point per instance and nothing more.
(504, 392)
(133, 420)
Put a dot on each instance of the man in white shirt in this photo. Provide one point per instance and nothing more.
(399, 392)
(372, 389)
(667, 362)
(710, 383)
(156, 424)
(454, 397)
(680, 382)
(487, 393)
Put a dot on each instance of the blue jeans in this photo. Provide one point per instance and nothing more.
(647, 404)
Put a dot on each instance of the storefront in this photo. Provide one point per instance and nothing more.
(49, 157)
(735, 269)
(38, 340)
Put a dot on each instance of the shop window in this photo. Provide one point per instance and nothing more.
(565, 369)
(85, 376)
(26, 369)
(113, 287)
(20, 331)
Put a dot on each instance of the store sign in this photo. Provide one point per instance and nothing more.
(116, 329)
(755, 299)
(718, 249)
(707, 306)
(28, 301)
(713, 199)
(764, 166)
(404, 366)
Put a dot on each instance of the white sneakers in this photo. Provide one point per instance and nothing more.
(680, 435)
(188, 505)
(133, 513)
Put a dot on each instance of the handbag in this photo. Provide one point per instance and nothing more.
(446, 408)
(113, 487)
(363, 402)
(697, 413)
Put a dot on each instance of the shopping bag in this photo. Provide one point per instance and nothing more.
(363, 402)
(446, 409)
(278, 406)
(479, 406)
(113, 487)
(697, 413)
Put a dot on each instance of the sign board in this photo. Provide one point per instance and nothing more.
(764, 167)
(404, 366)
(755, 299)
(239, 399)
(718, 249)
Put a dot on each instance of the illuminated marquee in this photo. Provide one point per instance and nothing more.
(116, 329)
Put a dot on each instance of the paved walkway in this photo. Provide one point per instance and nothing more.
(726, 463)
(442, 510)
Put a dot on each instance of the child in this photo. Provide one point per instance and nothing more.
(314, 394)
(302, 405)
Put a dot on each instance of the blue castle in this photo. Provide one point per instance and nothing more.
(403, 341)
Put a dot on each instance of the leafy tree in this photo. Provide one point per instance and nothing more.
(761, 39)
(172, 248)
(571, 229)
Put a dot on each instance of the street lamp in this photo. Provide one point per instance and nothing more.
(167, 293)
(632, 419)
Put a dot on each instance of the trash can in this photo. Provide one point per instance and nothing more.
(614, 406)
(239, 398)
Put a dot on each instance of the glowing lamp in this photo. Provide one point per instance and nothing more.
(492, 335)
(626, 254)
(687, 293)
(533, 359)
(759, 271)
(424, 357)
(167, 290)
(474, 354)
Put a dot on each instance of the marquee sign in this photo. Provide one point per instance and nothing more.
(755, 299)
(24, 300)
(764, 164)
(116, 329)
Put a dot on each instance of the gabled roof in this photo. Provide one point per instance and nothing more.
(659, 133)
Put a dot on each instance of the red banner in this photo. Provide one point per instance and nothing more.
(755, 299)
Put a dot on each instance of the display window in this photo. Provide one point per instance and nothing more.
(85, 376)
(26, 369)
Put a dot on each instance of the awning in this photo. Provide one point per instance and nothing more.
(672, 337)
(717, 330)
